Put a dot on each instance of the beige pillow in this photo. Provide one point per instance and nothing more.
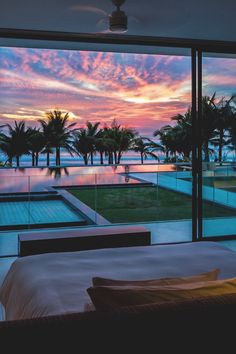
(212, 275)
(108, 297)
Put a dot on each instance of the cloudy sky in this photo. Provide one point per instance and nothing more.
(138, 90)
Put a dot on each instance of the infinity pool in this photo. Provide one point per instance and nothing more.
(25, 180)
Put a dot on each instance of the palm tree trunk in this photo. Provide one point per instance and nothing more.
(85, 157)
(119, 157)
(37, 159)
(10, 161)
(206, 151)
(91, 158)
(58, 156)
(48, 158)
(110, 158)
(221, 146)
(141, 158)
(115, 158)
(33, 159)
(101, 157)
(18, 161)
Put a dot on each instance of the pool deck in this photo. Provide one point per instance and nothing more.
(161, 232)
(84, 208)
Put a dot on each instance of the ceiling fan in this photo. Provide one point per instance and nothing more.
(116, 22)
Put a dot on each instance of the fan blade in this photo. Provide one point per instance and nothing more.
(103, 24)
(106, 31)
(87, 8)
(133, 19)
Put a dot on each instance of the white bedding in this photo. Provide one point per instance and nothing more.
(56, 283)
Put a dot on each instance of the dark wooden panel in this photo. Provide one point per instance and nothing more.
(83, 239)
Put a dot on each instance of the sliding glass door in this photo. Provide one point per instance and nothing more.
(159, 143)
(218, 143)
(127, 157)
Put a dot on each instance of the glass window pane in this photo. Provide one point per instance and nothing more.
(123, 154)
(218, 134)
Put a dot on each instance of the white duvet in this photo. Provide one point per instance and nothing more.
(56, 283)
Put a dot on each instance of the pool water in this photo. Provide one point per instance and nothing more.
(17, 213)
(27, 180)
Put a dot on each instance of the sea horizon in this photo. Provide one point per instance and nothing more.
(67, 159)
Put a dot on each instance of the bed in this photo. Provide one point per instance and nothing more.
(55, 283)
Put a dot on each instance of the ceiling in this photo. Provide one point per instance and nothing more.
(193, 19)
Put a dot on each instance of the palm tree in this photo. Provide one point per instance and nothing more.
(232, 131)
(178, 139)
(93, 134)
(225, 113)
(119, 140)
(167, 139)
(16, 142)
(145, 147)
(102, 144)
(36, 144)
(47, 131)
(182, 134)
(82, 144)
(110, 143)
(7, 148)
(209, 123)
(216, 122)
(59, 133)
(125, 139)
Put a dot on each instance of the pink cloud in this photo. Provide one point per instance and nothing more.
(95, 86)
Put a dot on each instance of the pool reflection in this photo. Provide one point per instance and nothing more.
(26, 180)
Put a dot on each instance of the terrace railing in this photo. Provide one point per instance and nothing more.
(157, 195)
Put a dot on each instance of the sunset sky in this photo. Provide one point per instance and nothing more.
(138, 90)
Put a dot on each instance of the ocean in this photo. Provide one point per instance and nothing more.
(68, 160)
(127, 158)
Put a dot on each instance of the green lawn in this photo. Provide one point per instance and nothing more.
(137, 204)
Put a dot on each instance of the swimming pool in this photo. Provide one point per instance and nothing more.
(20, 213)
(27, 180)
